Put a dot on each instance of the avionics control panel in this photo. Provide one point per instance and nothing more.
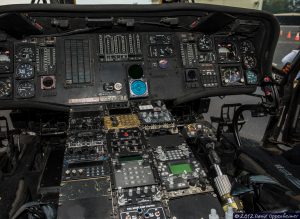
(137, 163)
(117, 67)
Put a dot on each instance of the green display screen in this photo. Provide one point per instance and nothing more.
(180, 168)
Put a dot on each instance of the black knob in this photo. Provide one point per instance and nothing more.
(192, 182)
(192, 74)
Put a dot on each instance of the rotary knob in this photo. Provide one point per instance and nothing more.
(148, 119)
(121, 200)
(162, 156)
(120, 190)
(163, 63)
(159, 150)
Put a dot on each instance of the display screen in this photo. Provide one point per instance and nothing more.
(180, 168)
(130, 158)
(84, 164)
(232, 76)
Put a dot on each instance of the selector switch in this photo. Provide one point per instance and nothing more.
(146, 189)
(138, 190)
(118, 86)
(130, 192)
(74, 172)
(80, 171)
(67, 172)
(108, 86)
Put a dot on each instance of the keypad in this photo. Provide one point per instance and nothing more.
(133, 174)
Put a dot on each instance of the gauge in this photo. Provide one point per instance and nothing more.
(249, 61)
(246, 46)
(205, 43)
(5, 87)
(206, 57)
(231, 76)
(25, 89)
(135, 71)
(251, 77)
(278, 78)
(227, 52)
(138, 88)
(24, 71)
(4, 54)
(26, 54)
(5, 59)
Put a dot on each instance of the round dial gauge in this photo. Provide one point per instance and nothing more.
(24, 71)
(249, 61)
(205, 43)
(5, 87)
(25, 89)
(246, 46)
(26, 54)
(138, 88)
(227, 52)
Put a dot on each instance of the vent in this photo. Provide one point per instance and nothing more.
(77, 61)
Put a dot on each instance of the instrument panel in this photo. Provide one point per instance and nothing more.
(117, 67)
(119, 77)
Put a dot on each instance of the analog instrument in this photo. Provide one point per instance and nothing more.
(251, 77)
(26, 54)
(249, 61)
(135, 71)
(24, 71)
(5, 87)
(25, 89)
(5, 59)
(205, 43)
(246, 46)
(138, 88)
(227, 52)
(231, 76)
(4, 55)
